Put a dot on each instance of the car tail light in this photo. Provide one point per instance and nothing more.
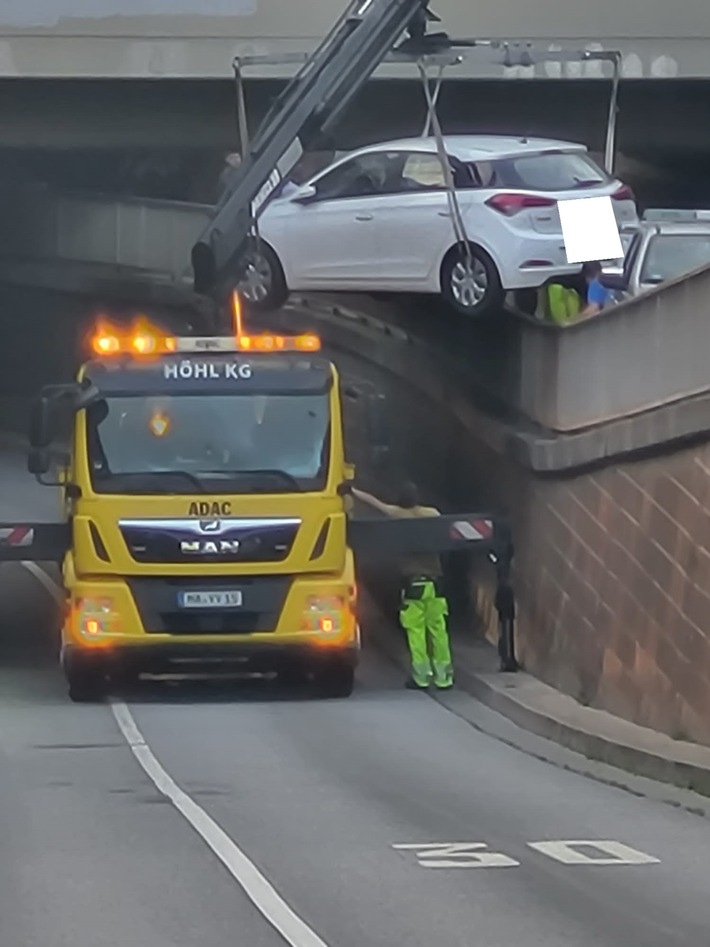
(624, 193)
(511, 204)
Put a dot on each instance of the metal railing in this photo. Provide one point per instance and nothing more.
(123, 233)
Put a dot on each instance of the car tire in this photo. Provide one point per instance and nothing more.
(479, 294)
(335, 680)
(264, 287)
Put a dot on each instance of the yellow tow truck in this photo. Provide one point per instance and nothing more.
(204, 486)
(206, 490)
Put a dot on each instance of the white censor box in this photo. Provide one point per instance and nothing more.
(590, 230)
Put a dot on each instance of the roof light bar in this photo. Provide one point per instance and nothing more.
(144, 341)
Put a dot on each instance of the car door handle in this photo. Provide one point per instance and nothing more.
(364, 217)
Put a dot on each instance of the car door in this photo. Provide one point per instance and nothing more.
(330, 238)
(413, 223)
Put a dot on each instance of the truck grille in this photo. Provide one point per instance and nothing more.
(158, 603)
(209, 541)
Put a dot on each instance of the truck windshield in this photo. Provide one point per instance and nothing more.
(209, 443)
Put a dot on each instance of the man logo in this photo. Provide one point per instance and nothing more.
(209, 547)
(210, 526)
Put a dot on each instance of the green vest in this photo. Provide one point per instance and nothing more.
(563, 305)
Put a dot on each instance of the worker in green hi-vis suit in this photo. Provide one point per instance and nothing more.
(423, 609)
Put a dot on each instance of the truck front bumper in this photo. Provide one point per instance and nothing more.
(221, 658)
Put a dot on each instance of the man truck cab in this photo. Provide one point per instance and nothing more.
(204, 486)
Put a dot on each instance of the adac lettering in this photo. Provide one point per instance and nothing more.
(193, 370)
(206, 509)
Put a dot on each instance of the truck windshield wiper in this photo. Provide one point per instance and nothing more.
(256, 475)
(159, 477)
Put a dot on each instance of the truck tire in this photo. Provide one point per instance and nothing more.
(335, 681)
(87, 683)
(86, 687)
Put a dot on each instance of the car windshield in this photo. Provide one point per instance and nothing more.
(209, 443)
(672, 255)
(548, 171)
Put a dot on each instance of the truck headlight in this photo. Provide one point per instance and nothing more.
(95, 616)
(324, 615)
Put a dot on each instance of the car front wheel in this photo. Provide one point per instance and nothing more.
(471, 284)
(264, 284)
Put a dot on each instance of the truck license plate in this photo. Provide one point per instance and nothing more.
(231, 598)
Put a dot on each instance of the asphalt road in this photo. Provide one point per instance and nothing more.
(206, 816)
(315, 795)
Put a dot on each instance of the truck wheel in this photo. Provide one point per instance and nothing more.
(336, 680)
(87, 685)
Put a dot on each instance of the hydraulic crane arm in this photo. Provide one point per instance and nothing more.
(308, 108)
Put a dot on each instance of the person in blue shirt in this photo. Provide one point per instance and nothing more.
(598, 296)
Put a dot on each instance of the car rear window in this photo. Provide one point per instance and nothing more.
(672, 255)
(546, 171)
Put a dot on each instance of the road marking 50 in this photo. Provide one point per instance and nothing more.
(458, 855)
(567, 852)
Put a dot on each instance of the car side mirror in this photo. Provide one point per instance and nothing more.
(307, 195)
(615, 281)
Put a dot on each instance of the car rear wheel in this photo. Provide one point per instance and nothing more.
(264, 284)
(471, 285)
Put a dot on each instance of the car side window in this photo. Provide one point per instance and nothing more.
(365, 175)
(423, 172)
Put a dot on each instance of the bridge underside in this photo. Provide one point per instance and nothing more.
(97, 133)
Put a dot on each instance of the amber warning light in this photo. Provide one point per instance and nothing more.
(144, 340)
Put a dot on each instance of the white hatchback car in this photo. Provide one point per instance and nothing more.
(379, 220)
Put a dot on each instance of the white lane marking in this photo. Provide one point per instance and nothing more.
(457, 855)
(264, 896)
(53, 588)
(612, 853)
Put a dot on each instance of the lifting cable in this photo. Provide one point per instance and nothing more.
(432, 89)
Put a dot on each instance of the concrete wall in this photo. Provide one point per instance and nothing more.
(612, 565)
(614, 594)
(161, 38)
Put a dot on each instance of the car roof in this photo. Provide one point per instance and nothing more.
(686, 228)
(477, 147)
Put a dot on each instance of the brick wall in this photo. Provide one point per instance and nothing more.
(614, 585)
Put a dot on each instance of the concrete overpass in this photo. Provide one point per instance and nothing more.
(180, 39)
(113, 94)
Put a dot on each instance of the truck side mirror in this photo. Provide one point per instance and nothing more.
(376, 421)
(41, 423)
(39, 461)
(48, 466)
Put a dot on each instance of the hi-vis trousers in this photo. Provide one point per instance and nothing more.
(423, 615)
